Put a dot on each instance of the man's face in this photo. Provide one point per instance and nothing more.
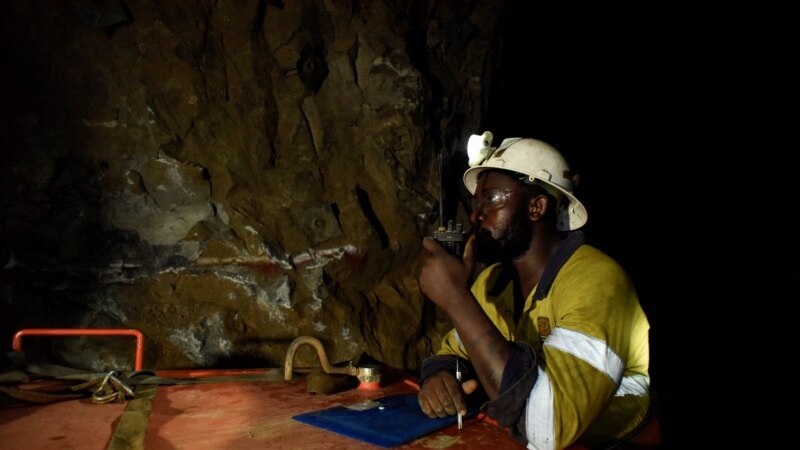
(502, 228)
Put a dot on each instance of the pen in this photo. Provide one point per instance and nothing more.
(458, 377)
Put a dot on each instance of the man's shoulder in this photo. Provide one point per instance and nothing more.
(591, 260)
(589, 254)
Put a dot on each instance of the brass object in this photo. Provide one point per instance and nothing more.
(365, 374)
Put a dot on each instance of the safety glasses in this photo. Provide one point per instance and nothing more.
(491, 199)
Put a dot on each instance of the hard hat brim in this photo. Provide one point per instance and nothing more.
(571, 216)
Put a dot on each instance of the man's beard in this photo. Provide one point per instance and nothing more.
(513, 241)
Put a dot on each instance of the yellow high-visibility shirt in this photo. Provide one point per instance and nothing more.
(591, 338)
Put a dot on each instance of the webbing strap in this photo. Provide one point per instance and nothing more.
(103, 387)
(132, 426)
(138, 377)
(272, 375)
(36, 397)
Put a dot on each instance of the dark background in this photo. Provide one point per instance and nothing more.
(682, 119)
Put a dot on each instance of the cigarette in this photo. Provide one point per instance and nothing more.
(458, 377)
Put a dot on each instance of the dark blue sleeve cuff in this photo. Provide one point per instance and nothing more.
(519, 376)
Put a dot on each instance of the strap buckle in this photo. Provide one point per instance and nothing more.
(110, 388)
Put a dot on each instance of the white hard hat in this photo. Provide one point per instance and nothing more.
(542, 163)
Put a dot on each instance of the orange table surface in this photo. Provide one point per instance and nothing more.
(234, 415)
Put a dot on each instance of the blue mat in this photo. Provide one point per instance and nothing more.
(386, 421)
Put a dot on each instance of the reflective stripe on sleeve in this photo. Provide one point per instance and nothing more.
(539, 422)
(637, 385)
(592, 350)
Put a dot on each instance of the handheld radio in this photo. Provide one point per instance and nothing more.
(451, 236)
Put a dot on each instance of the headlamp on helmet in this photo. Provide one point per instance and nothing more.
(537, 162)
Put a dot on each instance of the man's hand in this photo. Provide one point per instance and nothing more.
(445, 278)
(442, 395)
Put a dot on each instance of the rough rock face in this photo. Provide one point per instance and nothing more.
(228, 176)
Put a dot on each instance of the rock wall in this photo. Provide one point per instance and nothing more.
(228, 176)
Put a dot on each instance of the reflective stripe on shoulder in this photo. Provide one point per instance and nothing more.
(539, 415)
(592, 350)
(637, 385)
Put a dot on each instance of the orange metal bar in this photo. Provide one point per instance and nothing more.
(16, 343)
